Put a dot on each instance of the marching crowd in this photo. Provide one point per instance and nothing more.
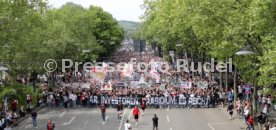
(66, 96)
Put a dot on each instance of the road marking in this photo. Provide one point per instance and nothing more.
(62, 114)
(85, 123)
(28, 126)
(212, 128)
(168, 109)
(168, 119)
(122, 120)
(170, 128)
(130, 114)
(221, 123)
(27, 122)
(67, 123)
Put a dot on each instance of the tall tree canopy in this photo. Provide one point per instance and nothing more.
(31, 32)
(217, 28)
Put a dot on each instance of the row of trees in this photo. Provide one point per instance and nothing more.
(32, 32)
(218, 29)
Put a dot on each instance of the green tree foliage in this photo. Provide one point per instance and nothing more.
(218, 28)
(31, 33)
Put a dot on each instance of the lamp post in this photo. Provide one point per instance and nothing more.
(246, 50)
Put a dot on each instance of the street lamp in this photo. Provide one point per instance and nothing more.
(246, 50)
(86, 51)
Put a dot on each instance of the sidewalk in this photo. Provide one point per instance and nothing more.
(272, 115)
(28, 114)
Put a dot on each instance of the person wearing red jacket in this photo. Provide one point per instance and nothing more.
(50, 125)
(250, 123)
(136, 113)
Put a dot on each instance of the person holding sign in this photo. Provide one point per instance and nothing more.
(136, 113)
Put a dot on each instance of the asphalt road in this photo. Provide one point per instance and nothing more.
(169, 119)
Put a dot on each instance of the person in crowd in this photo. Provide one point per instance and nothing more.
(14, 118)
(128, 125)
(250, 123)
(155, 122)
(261, 118)
(143, 106)
(22, 111)
(120, 108)
(136, 113)
(34, 117)
(103, 111)
(8, 127)
(238, 107)
(50, 125)
(14, 105)
(230, 110)
(273, 127)
(267, 125)
(246, 113)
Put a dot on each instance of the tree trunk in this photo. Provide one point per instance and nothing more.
(226, 80)
(254, 97)
(34, 88)
(220, 79)
(235, 84)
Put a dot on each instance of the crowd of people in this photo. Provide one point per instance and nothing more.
(207, 94)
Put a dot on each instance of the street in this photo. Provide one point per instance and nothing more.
(169, 119)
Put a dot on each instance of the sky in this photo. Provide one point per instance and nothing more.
(120, 9)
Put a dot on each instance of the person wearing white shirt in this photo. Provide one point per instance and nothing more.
(73, 97)
(128, 126)
(274, 127)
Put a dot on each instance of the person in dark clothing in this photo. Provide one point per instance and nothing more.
(230, 110)
(34, 115)
(155, 122)
(261, 120)
(103, 110)
(119, 110)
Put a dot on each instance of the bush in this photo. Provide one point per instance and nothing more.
(18, 92)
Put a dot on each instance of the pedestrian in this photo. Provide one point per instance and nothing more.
(50, 125)
(14, 105)
(250, 123)
(143, 106)
(266, 125)
(120, 110)
(261, 120)
(246, 114)
(103, 111)
(136, 113)
(128, 125)
(155, 122)
(22, 111)
(230, 110)
(273, 127)
(238, 107)
(8, 127)
(34, 116)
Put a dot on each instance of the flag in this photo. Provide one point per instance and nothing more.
(98, 73)
(106, 86)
